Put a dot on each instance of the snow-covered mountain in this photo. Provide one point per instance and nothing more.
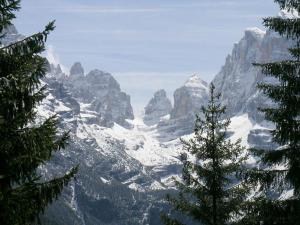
(237, 81)
(188, 100)
(126, 163)
(101, 93)
(121, 166)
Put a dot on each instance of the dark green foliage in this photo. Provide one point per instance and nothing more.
(286, 117)
(210, 192)
(289, 4)
(7, 9)
(263, 211)
(25, 144)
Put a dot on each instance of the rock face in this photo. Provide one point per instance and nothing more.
(114, 184)
(101, 194)
(77, 69)
(188, 101)
(237, 81)
(56, 71)
(190, 97)
(158, 107)
(102, 93)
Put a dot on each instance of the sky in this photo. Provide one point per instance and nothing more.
(146, 44)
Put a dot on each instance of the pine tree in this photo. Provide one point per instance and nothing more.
(25, 144)
(286, 117)
(210, 192)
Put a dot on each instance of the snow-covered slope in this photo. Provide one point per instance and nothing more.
(115, 162)
(126, 163)
(127, 169)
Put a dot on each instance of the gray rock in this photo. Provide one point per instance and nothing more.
(188, 101)
(103, 93)
(190, 97)
(77, 69)
(237, 81)
(158, 107)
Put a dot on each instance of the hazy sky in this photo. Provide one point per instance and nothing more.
(146, 44)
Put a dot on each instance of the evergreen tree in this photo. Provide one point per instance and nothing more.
(210, 192)
(24, 143)
(283, 164)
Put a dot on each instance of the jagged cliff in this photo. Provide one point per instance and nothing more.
(99, 91)
(237, 81)
(158, 107)
(125, 165)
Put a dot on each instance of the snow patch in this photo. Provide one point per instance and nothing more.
(105, 181)
(256, 31)
(289, 14)
(196, 82)
(136, 187)
(142, 144)
(241, 126)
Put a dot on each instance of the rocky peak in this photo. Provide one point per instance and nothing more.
(98, 80)
(195, 81)
(188, 101)
(254, 33)
(160, 94)
(238, 78)
(103, 93)
(58, 69)
(158, 107)
(55, 71)
(190, 97)
(77, 70)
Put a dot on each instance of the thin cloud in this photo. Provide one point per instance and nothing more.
(124, 9)
(98, 9)
(103, 10)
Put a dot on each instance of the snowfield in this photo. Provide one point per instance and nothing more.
(143, 144)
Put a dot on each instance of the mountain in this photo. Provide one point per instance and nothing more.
(237, 81)
(159, 106)
(188, 101)
(123, 171)
(76, 70)
(189, 98)
(127, 163)
(101, 193)
(101, 93)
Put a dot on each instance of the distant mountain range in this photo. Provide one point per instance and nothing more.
(127, 163)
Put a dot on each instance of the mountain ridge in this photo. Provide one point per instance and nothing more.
(126, 166)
